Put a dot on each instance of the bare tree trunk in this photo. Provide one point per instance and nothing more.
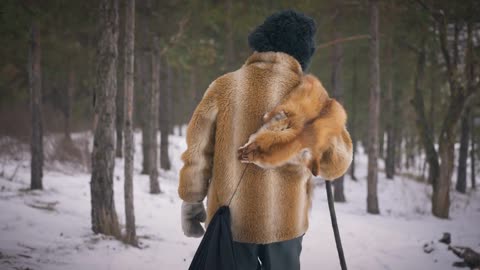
(128, 68)
(183, 99)
(353, 118)
(400, 147)
(441, 187)
(119, 125)
(390, 115)
(433, 92)
(229, 49)
(165, 117)
(381, 136)
(458, 97)
(145, 47)
(171, 100)
(35, 85)
(168, 99)
(120, 99)
(441, 190)
(461, 185)
(396, 133)
(194, 90)
(409, 150)
(177, 103)
(104, 216)
(374, 103)
(337, 85)
(472, 153)
(120, 114)
(67, 130)
(426, 135)
(144, 64)
(153, 119)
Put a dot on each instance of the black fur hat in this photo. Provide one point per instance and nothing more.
(286, 31)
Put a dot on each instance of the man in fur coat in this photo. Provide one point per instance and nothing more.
(269, 211)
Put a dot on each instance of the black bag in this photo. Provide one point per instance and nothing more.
(216, 248)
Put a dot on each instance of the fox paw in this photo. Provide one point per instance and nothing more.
(275, 115)
(246, 153)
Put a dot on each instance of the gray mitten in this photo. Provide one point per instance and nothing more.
(192, 215)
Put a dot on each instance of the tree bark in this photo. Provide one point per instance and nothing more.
(35, 85)
(441, 189)
(104, 216)
(374, 104)
(353, 118)
(433, 92)
(229, 49)
(337, 86)
(410, 151)
(426, 135)
(472, 154)
(185, 99)
(145, 75)
(119, 124)
(120, 98)
(165, 117)
(458, 97)
(390, 115)
(67, 129)
(128, 68)
(199, 91)
(381, 135)
(145, 65)
(153, 119)
(396, 134)
(194, 89)
(167, 96)
(433, 171)
(400, 145)
(461, 185)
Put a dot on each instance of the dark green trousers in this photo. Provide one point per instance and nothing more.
(284, 255)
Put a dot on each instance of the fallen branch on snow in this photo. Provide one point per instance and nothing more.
(470, 257)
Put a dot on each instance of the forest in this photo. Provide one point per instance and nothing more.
(96, 97)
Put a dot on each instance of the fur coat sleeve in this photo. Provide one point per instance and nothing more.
(198, 158)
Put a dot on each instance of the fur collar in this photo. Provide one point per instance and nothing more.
(279, 59)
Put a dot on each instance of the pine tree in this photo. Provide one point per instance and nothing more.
(35, 85)
(337, 85)
(104, 216)
(374, 110)
(128, 50)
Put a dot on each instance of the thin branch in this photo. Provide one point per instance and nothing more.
(436, 15)
(13, 174)
(342, 40)
(442, 36)
(441, 22)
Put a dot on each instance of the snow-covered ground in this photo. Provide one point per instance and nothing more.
(50, 229)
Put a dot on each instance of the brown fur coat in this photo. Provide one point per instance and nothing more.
(270, 205)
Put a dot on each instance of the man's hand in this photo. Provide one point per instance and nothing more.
(246, 153)
(192, 215)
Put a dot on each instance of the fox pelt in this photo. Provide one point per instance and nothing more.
(307, 127)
